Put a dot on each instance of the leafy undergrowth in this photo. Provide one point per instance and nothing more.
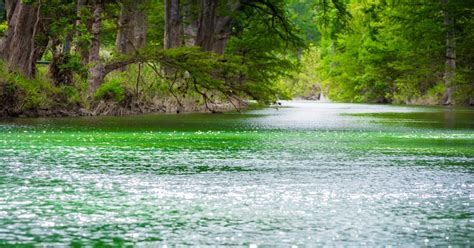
(19, 94)
(132, 91)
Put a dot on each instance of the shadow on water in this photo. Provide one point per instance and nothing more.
(149, 122)
(448, 118)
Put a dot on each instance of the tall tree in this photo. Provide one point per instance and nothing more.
(82, 47)
(132, 27)
(207, 23)
(173, 24)
(11, 14)
(223, 27)
(21, 47)
(450, 68)
(97, 69)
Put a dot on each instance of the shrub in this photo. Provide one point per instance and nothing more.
(110, 90)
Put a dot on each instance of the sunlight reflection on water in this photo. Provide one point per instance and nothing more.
(308, 173)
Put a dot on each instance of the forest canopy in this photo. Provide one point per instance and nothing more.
(411, 52)
(134, 55)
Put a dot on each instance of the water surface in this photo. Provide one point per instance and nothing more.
(305, 174)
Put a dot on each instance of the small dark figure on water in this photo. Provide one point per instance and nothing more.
(276, 104)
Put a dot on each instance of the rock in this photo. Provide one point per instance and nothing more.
(84, 112)
(65, 113)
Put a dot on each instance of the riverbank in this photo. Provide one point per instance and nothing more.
(113, 108)
(119, 95)
(166, 105)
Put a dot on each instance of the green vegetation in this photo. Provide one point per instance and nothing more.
(19, 93)
(395, 52)
(135, 51)
(75, 54)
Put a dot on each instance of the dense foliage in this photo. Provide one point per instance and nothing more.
(75, 54)
(136, 51)
(396, 52)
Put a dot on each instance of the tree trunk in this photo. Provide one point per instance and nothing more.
(132, 24)
(141, 27)
(450, 68)
(190, 22)
(207, 22)
(173, 27)
(10, 8)
(82, 49)
(11, 14)
(224, 29)
(20, 49)
(97, 71)
(198, 24)
(59, 75)
(124, 41)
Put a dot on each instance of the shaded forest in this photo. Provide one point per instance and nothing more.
(95, 57)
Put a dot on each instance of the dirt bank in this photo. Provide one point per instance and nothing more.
(111, 108)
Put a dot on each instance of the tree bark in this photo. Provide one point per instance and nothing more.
(450, 67)
(190, 22)
(10, 8)
(11, 14)
(214, 29)
(197, 23)
(97, 71)
(207, 22)
(224, 31)
(132, 24)
(140, 28)
(173, 27)
(82, 49)
(61, 76)
(20, 49)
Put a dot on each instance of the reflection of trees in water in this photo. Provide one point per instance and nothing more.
(449, 118)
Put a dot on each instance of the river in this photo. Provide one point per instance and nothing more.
(303, 174)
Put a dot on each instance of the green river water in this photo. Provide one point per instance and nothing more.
(308, 174)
